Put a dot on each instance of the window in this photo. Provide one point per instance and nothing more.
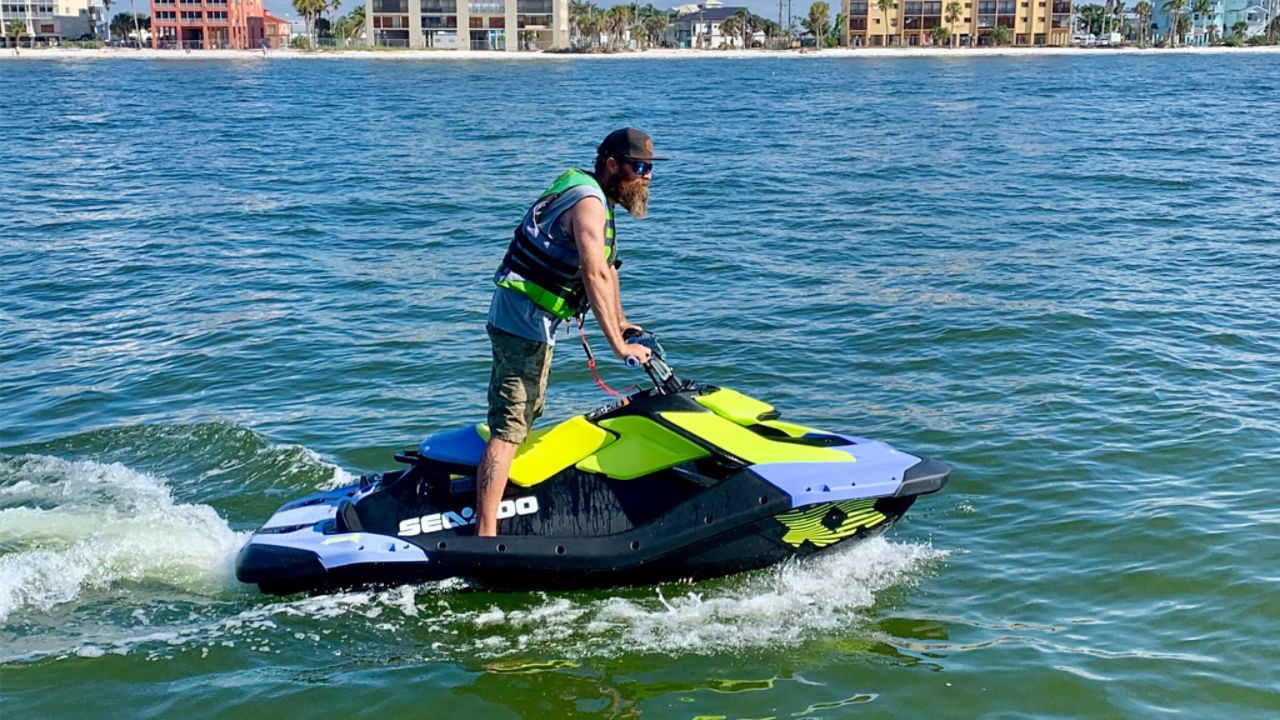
(391, 6)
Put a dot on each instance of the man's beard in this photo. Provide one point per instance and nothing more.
(632, 195)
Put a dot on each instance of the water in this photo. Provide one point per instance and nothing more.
(226, 284)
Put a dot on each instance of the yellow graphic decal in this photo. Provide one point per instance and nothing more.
(829, 523)
(341, 539)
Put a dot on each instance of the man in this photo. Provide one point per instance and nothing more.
(563, 258)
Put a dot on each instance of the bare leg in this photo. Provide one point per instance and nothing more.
(491, 482)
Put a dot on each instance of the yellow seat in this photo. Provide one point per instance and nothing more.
(547, 451)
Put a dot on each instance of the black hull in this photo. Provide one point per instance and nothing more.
(520, 566)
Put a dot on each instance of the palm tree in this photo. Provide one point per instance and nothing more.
(137, 33)
(592, 24)
(332, 7)
(309, 10)
(357, 22)
(617, 19)
(939, 35)
(846, 10)
(1144, 11)
(17, 28)
(818, 21)
(1001, 35)
(1175, 7)
(655, 26)
(750, 24)
(1203, 9)
(1184, 26)
(953, 12)
(885, 6)
(578, 9)
(729, 28)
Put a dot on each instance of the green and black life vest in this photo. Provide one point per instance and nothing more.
(542, 263)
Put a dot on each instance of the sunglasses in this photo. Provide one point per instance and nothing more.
(641, 167)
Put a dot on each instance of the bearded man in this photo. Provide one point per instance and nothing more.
(562, 260)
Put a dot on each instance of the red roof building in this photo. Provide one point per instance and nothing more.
(276, 32)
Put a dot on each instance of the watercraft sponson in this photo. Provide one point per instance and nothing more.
(680, 481)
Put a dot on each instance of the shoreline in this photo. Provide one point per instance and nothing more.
(656, 54)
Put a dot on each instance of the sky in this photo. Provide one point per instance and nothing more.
(764, 8)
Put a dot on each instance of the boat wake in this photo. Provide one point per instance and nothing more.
(74, 530)
(98, 558)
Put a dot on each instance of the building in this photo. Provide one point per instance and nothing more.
(49, 22)
(535, 24)
(699, 26)
(908, 22)
(276, 32)
(207, 24)
(1218, 23)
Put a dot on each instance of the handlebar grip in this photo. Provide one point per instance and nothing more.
(632, 361)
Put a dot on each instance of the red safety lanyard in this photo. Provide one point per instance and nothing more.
(591, 361)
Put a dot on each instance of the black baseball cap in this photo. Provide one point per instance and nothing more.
(628, 144)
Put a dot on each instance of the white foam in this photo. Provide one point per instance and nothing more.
(96, 525)
(780, 606)
(85, 527)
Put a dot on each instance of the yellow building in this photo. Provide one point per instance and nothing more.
(908, 22)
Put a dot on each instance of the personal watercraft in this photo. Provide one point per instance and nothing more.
(679, 480)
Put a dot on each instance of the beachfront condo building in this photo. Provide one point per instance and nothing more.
(469, 24)
(214, 25)
(1219, 22)
(909, 22)
(49, 22)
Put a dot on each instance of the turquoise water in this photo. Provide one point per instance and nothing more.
(228, 284)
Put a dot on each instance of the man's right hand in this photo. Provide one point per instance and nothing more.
(635, 350)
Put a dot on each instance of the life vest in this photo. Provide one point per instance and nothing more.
(544, 266)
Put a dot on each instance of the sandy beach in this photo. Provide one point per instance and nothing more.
(662, 53)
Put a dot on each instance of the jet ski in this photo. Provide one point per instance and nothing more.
(677, 480)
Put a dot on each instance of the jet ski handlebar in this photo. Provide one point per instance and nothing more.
(664, 380)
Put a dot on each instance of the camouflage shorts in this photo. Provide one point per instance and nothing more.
(517, 384)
